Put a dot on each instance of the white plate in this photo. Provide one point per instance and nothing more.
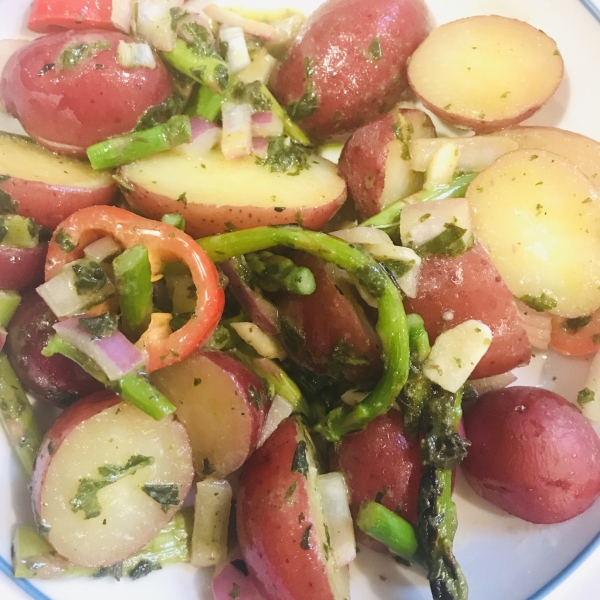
(503, 557)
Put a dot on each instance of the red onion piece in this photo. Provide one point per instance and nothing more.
(260, 147)
(266, 124)
(231, 583)
(115, 355)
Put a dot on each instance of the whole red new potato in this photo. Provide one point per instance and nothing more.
(533, 454)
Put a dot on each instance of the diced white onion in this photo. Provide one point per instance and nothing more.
(363, 235)
(121, 14)
(229, 579)
(592, 409)
(115, 355)
(337, 517)
(236, 140)
(354, 397)
(279, 410)
(409, 282)
(259, 69)
(61, 295)
(266, 345)
(538, 326)
(490, 384)
(266, 124)
(250, 26)
(211, 522)
(442, 166)
(331, 152)
(153, 23)
(130, 55)
(237, 50)
(102, 249)
(456, 353)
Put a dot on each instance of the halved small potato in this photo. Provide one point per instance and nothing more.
(215, 194)
(538, 216)
(48, 187)
(485, 72)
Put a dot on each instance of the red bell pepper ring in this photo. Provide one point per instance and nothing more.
(47, 16)
(165, 243)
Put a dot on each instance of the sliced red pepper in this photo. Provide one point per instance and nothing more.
(47, 16)
(165, 244)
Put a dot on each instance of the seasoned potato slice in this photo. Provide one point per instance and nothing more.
(485, 72)
(538, 216)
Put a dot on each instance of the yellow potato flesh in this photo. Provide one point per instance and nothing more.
(538, 216)
(486, 68)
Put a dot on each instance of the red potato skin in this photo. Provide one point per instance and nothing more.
(55, 379)
(49, 205)
(470, 287)
(351, 86)
(208, 219)
(67, 110)
(533, 454)
(381, 464)
(22, 267)
(271, 524)
(326, 317)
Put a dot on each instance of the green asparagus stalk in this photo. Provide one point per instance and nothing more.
(133, 387)
(133, 279)
(9, 301)
(389, 218)
(132, 146)
(17, 416)
(206, 104)
(388, 528)
(174, 219)
(33, 557)
(391, 326)
(275, 272)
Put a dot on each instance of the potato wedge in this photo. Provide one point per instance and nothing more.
(485, 72)
(215, 194)
(538, 216)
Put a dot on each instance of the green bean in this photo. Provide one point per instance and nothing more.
(275, 272)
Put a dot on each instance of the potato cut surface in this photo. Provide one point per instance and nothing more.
(23, 159)
(538, 216)
(485, 72)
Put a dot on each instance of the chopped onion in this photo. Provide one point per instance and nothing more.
(230, 583)
(260, 147)
(409, 282)
(266, 345)
(237, 50)
(7, 49)
(266, 124)
(591, 408)
(154, 22)
(442, 166)
(354, 397)
(211, 521)
(250, 26)
(205, 136)
(337, 517)
(236, 141)
(363, 235)
(130, 55)
(490, 384)
(279, 410)
(2, 337)
(259, 69)
(331, 152)
(538, 326)
(115, 355)
(121, 15)
(61, 295)
(102, 249)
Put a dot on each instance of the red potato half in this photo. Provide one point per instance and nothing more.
(375, 161)
(485, 72)
(454, 290)
(532, 454)
(48, 187)
(68, 107)
(22, 267)
(103, 432)
(223, 406)
(280, 521)
(350, 60)
(215, 194)
(328, 331)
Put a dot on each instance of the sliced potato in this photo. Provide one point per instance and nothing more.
(538, 216)
(214, 194)
(485, 72)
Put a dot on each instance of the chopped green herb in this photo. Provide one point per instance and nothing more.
(251, 93)
(161, 113)
(285, 156)
(449, 243)
(183, 198)
(307, 104)
(540, 303)
(73, 55)
(197, 381)
(7, 204)
(89, 277)
(305, 541)
(345, 355)
(199, 40)
(290, 491)
(397, 268)
(102, 326)
(64, 241)
(300, 461)
(166, 494)
(575, 324)
(375, 50)
(585, 396)
(143, 568)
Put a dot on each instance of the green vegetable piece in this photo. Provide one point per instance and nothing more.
(448, 243)
(575, 324)
(274, 272)
(285, 156)
(102, 326)
(133, 279)
(345, 355)
(419, 340)
(19, 232)
(375, 51)
(300, 460)
(388, 528)
(17, 416)
(9, 301)
(89, 277)
(166, 494)
(64, 241)
(542, 303)
(86, 498)
(308, 103)
(206, 104)
(132, 146)
(250, 93)
(585, 396)
(73, 55)
(161, 113)
(174, 219)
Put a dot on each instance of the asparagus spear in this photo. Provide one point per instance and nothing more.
(33, 557)
(275, 272)
(17, 417)
(206, 104)
(391, 326)
(174, 219)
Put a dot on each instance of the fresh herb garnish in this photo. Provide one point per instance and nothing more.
(64, 241)
(541, 303)
(345, 355)
(143, 568)
(251, 93)
(73, 55)
(448, 243)
(586, 395)
(308, 103)
(102, 326)
(375, 50)
(166, 494)
(89, 277)
(161, 113)
(305, 541)
(285, 156)
(300, 461)
(575, 324)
